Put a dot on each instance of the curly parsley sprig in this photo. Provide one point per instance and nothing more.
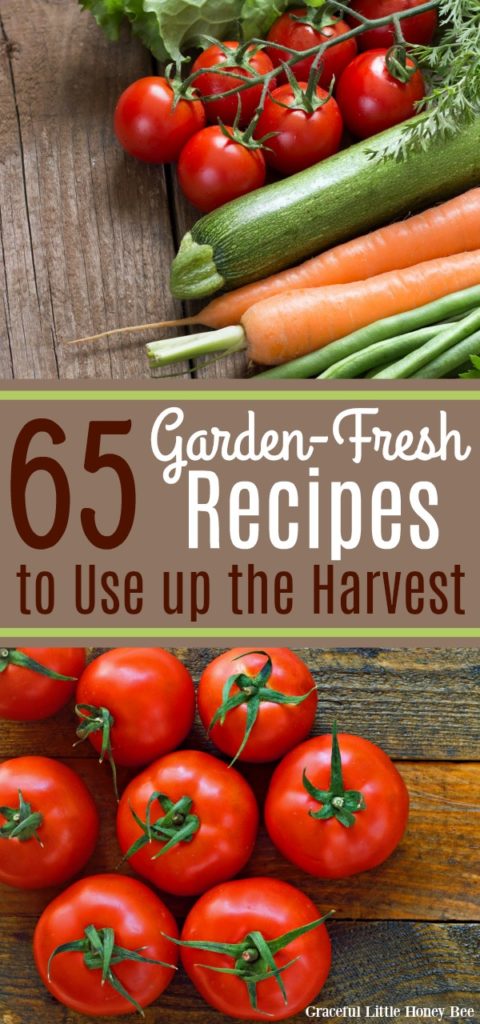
(452, 69)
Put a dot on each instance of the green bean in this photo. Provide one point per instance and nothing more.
(375, 355)
(314, 363)
(446, 339)
(375, 369)
(452, 359)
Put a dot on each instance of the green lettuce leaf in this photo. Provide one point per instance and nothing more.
(473, 374)
(145, 25)
(109, 14)
(182, 23)
(258, 16)
(170, 27)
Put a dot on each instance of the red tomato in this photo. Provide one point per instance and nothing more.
(420, 28)
(214, 169)
(93, 907)
(191, 795)
(57, 818)
(139, 701)
(347, 826)
(278, 726)
(300, 36)
(230, 913)
(302, 138)
(211, 84)
(149, 126)
(28, 694)
(371, 99)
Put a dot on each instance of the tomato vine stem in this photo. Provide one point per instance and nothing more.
(317, 52)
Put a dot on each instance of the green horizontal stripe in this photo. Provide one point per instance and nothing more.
(227, 631)
(239, 396)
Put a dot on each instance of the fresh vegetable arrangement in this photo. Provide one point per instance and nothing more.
(332, 322)
(188, 823)
(233, 85)
(399, 80)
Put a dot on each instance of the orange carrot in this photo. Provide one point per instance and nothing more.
(281, 328)
(444, 230)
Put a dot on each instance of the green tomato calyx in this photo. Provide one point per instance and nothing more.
(11, 656)
(251, 690)
(21, 822)
(176, 826)
(337, 802)
(254, 958)
(98, 719)
(100, 953)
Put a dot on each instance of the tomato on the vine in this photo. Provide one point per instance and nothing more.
(297, 30)
(371, 99)
(187, 822)
(244, 63)
(135, 704)
(100, 947)
(257, 704)
(216, 167)
(274, 974)
(420, 28)
(35, 682)
(48, 823)
(152, 123)
(307, 128)
(336, 806)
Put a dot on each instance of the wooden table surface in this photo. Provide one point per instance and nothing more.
(87, 234)
(407, 932)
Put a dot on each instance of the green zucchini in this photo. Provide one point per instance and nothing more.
(344, 196)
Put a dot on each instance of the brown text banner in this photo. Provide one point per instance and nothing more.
(227, 511)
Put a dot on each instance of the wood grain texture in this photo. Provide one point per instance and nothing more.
(432, 876)
(86, 233)
(418, 704)
(374, 963)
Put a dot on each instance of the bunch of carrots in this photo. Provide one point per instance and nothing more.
(400, 302)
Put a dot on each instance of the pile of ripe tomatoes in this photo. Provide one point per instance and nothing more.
(226, 144)
(187, 824)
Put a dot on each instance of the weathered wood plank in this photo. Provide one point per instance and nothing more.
(432, 876)
(373, 964)
(417, 704)
(86, 231)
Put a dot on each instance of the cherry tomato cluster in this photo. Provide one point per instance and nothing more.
(187, 824)
(227, 136)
